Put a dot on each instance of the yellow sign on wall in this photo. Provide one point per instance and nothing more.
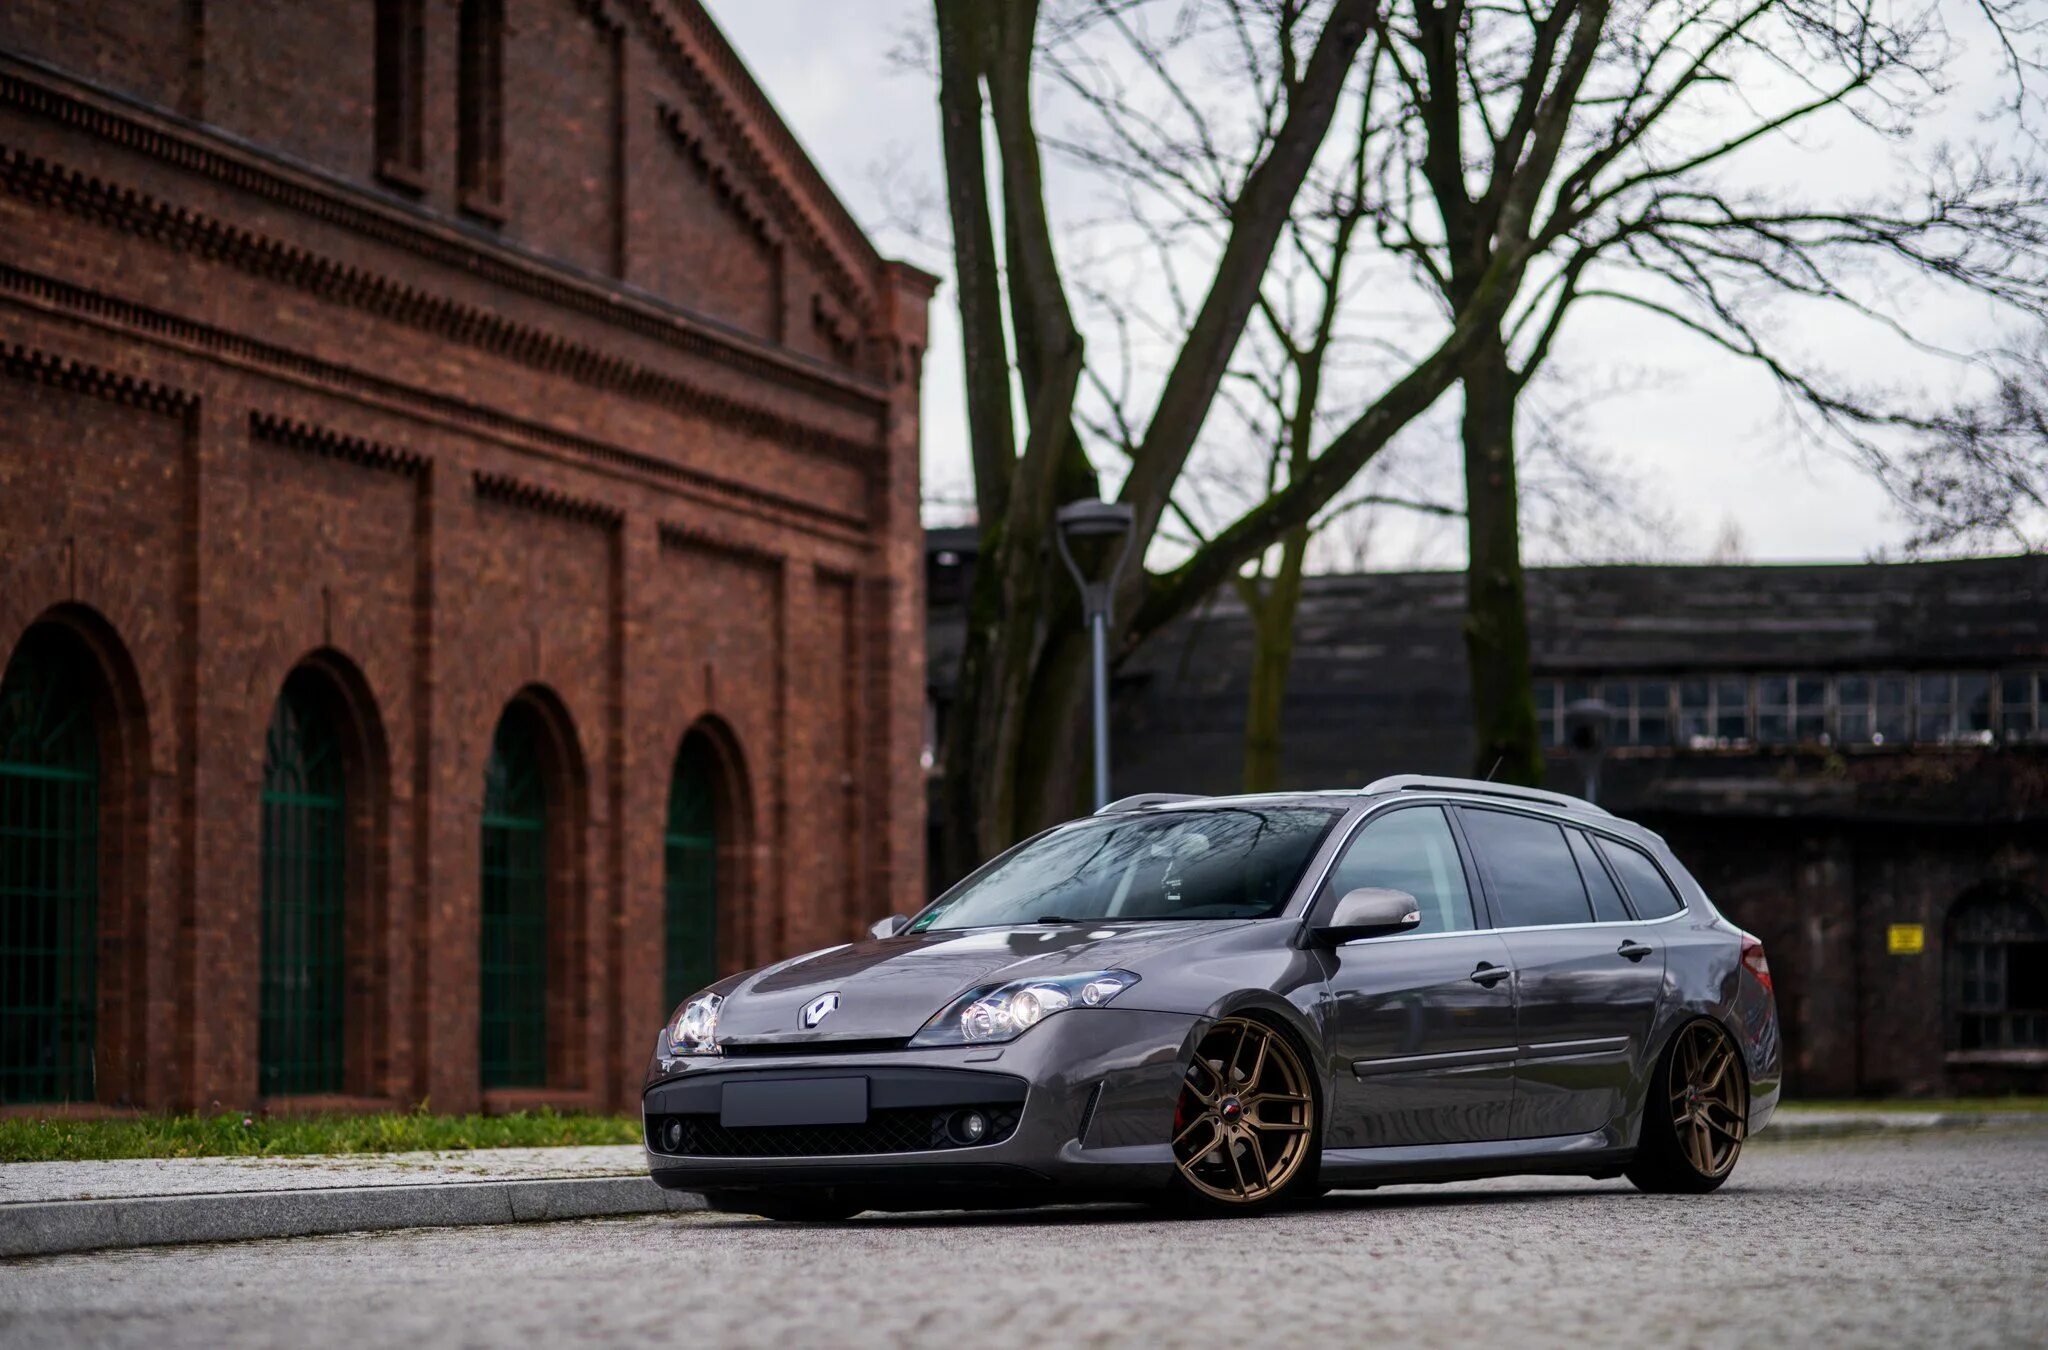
(1905, 939)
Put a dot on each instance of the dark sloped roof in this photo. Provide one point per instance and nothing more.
(1379, 681)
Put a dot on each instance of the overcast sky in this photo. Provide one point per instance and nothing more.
(1703, 436)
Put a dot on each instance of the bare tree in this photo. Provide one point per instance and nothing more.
(1287, 386)
(1977, 474)
(1010, 753)
(1522, 162)
(1593, 151)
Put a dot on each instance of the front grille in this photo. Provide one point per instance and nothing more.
(900, 1130)
(770, 1049)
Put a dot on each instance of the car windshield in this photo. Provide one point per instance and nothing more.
(1235, 862)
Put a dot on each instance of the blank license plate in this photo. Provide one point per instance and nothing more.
(796, 1101)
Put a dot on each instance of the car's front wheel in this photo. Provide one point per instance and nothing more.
(1244, 1127)
(784, 1206)
(1697, 1114)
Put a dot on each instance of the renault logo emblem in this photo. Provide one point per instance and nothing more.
(818, 1009)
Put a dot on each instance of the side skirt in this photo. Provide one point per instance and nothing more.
(1558, 1155)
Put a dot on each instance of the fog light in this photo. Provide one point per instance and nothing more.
(672, 1135)
(967, 1127)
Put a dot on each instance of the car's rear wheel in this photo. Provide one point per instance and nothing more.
(1244, 1127)
(1697, 1115)
(785, 1206)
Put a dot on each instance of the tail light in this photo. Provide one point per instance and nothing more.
(1753, 957)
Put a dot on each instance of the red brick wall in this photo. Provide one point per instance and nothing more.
(256, 418)
(301, 78)
(143, 47)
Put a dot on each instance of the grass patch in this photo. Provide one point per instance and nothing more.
(1944, 1104)
(27, 1139)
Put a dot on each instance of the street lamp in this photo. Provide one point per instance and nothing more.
(1111, 523)
(1588, 725)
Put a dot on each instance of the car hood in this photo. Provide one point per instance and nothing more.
(888, 988)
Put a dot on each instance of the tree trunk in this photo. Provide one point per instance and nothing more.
(1496, 602)
(1013, 740)
(1272, 614)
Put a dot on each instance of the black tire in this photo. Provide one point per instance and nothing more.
(823, 1206)
(1696, 1115)
(1247, 1128)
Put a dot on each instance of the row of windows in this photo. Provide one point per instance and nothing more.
(311, 898)
(1709, 712)
(1538, 871)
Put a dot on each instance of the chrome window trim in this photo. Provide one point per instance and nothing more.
(1374, 810)
(1520, 928)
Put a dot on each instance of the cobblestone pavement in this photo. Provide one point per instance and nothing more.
(1880, 1241)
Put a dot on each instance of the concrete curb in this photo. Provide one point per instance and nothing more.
(1788, 1127)
(51, 1227)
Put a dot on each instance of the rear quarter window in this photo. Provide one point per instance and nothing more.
(1529, 868)
(1647, 889)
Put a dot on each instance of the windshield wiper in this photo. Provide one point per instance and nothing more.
(1056, 918)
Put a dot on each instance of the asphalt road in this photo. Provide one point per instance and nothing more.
(1887, 1241)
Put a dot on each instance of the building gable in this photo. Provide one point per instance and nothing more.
(623, 139)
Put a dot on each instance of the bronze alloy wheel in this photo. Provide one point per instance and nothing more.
(1246, 1116)
(1709, 1099)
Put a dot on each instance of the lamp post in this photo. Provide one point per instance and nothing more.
(1111, 523)
(1588, 725)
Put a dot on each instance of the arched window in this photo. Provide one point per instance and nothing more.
(1997, 944)
(49, 871)
(513, 1046)
(691, 920)
(305, 823)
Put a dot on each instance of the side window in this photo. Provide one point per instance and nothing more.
(1529, 867)
(1647, 889)
(1410, 850)
(1607, 905)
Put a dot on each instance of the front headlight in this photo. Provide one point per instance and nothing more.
(695, 1030)
(1003, 1012)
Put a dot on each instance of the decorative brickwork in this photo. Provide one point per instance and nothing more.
(272, 407)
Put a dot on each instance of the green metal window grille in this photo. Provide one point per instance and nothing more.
(691, 921)
(513, 1028)
(304, 833)
(49, 877)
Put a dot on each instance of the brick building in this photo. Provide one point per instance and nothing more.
(1853, 759)
(460, 579)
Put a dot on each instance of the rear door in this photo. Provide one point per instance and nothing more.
(1423, 1022)
(1589, 974)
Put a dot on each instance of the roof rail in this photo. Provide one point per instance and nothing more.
(1139, 801)
(1416, 782)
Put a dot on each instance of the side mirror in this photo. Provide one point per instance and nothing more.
(1370, 911)
(889, 927)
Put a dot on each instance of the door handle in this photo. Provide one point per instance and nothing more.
(1633, 951)
(1488, 974)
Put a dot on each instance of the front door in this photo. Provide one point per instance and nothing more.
(1423, 1023)
(1589, 974)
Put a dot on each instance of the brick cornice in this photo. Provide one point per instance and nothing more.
(709, 157)
(35, 89)
(673, 535)
(188, 231)
(715, 78)
(97, 307)
(279, 430)
(504, 488)
(39, 367)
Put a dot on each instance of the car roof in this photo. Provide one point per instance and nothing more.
(1379, 787)
(1475, 789)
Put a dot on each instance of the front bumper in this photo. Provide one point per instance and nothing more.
(1092, 1094)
